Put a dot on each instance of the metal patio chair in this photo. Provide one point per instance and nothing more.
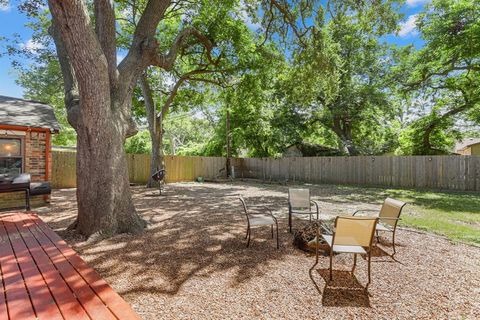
(351, 235)
(388, 217)
(258, 215)
(299, 202)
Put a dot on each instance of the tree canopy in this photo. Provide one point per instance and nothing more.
(295, 72)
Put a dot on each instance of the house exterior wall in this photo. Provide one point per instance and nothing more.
(475, 149)
(465, 152)
(36, 161)
(472, 150)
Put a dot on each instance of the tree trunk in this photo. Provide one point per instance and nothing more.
(104, 199)
(102, 119)
(87, 49)
(435, 123)
(155, 129)
(157, 160)
(344, 133)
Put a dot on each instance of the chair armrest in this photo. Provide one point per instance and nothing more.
(365, 210)
(316, 207)
(388, 218)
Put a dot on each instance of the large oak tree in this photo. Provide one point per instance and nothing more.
(98, 99)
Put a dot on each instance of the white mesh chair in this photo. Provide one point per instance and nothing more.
(351, 235)
(258, 216)
(299, 202)
(388, 218)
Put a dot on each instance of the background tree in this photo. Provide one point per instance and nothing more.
(444, 75)
(340, 77)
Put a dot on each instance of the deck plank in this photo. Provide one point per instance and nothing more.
(112, 300)
(42, 300)
(66, 300)
(43, 278)
(88, 299)
(16, 295)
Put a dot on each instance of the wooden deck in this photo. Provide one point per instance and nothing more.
(43, 278)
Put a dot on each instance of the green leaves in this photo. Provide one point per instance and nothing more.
(446, 69)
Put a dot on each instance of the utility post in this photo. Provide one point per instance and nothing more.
(228, 143)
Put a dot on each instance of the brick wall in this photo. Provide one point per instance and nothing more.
(34, 146)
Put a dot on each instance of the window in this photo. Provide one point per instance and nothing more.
(11, 159)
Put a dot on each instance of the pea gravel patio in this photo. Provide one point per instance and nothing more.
(192, 262)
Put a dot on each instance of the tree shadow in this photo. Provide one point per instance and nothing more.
(195, 231)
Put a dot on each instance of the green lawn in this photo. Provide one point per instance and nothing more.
(452, 214)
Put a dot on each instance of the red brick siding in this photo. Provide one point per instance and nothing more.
(34, 163)
(35, 144)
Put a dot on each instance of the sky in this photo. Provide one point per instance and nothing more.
(13, 22)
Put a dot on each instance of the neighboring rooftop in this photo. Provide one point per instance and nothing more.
(27, 113)
(465, 143)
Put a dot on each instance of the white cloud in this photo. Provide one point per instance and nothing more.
(414, 3)
(31, 46)
(5, 6)
(408, 27)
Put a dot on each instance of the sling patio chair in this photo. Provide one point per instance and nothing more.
(350, 235)
(388, 216)
(258, 216)
(299, 202)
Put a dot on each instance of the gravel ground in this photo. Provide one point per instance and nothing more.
(192, 262)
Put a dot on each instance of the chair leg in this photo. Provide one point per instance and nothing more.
(393, 243)
(27, 200)
(369, 267)
(331, 264)
(290, 220)
(248, 231)
(249, 235)
(377, 236)
(278, 246)
(354, 262)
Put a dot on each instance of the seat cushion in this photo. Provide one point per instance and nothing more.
(344, 249)
(261, 220)
(38, 188)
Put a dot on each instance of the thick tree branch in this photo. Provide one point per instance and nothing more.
(144, 43)
(71, 18)
(106, 34)
(149, 103)
(167, 61)
(189, 76)
(72, 99)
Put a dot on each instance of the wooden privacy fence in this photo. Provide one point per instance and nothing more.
(178, 168)
(64, 169)
(436, 172)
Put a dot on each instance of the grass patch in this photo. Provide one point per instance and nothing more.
(455, 215)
